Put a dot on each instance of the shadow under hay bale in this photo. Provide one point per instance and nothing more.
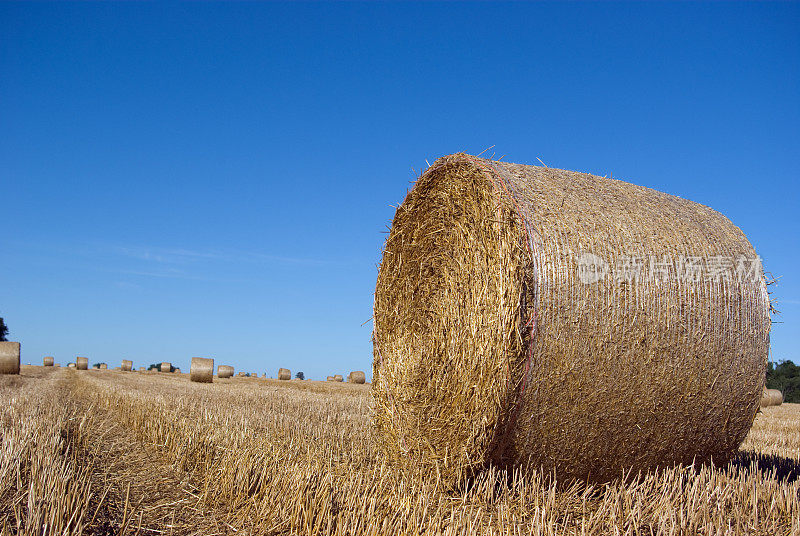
(82, 363)
(284, 374)
(783, 468)
(224, 371)
(502, 284)
(201, 370)
(357, 376)
(48, 361)
(9, 357)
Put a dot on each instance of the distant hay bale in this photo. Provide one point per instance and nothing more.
(48, 361)
(9, 357)
(533, 317)
(338, 378)
(56, 364)
(766, 398)
(224, 371)
(118, 368)
(103, 366)
(242, 374)
(357, 376)
(201, 370)
(127, 365)
(71, 365)
(82, 363)
(776, 397)
(142, 369)
(284, 374)
(254, 374)
(165, 367)
(329, 379)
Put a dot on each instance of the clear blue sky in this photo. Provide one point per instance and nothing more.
(184, 180)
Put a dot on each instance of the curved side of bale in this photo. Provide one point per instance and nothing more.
(284, 374)
(9, 357)
(127, 365)
(224, 371)
(82, 363)
(766, 399)
(502, 284)
(202, 370)
(338, 378)
(48, 361)
(165, 367)
(357, 376)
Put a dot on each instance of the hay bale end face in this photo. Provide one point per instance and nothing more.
(284, 374)
(357, 376)
(338, 378)
(82, 363)
(503, 288)
(201, 370)
(166, 367)
(224, 371)
(9, 357)
(241, 374)
(48, 361)
(776, 397)
(103, 366)
(127, 365)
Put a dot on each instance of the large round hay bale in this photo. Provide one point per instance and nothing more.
(103, 366)
(284, 374)
(127, 365)
(82, 363)
(545, 318)
(201, 370)
(338, 378)
(9, 357)
(224, 371)
(165, 367)
(329, 379)
(48, 361)
(766, 398)
(776, 397)
(357, 376)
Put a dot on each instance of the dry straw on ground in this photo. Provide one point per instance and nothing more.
(82, 363)
(9, 357)
(166, 367)
(201, 370)
(48, 361)
(224, 371)
(490, 347)
(127, 365)
(357, 376)
(284, 374)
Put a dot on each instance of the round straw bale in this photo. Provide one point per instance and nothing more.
(142, 369)
(776, 397)
(241, 374)
(357, 376)
(9, 357)
(511, 325)
(82, 363)
(118, 368)
(48, 361)
(71, 365)
(766, 398)
(103, 366)
(338, 378)
(329, 379)
(284, 374)
(224, 371)
(127, 365)
(165, 367)
(201, 370)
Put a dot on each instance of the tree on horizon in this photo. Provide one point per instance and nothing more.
(3, 330)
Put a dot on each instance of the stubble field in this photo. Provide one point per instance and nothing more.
(106, 452)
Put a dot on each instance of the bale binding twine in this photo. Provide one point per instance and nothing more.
(537, 317)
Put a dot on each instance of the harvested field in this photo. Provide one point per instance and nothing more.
(210, 468)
